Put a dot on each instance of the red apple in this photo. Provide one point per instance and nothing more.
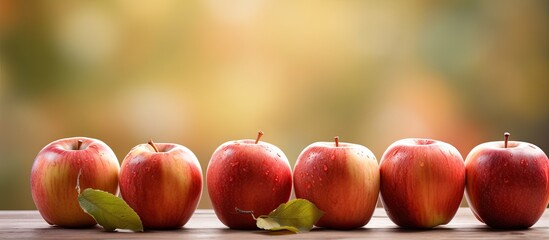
(162, 182)
(507, 183)
(422, 182)
(341, 179)
(248, 175)
(54, 176)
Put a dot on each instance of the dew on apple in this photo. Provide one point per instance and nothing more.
(325, 167)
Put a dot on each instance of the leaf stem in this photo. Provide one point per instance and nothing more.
(251, 212)
(79, 144)
(336, 139)
(78, 181)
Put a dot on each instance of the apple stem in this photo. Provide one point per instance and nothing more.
(259, 134)
(336, 139)
(506, 138)
(79, 144)
(153, 145)
(251, 212)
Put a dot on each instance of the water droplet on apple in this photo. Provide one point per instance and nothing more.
(314, 167)
(523, 162)
(421, 164)
(267, 173)
(230, 179)
(325, 167)
(319, 179)
(313, 181)
(245, 169)
(333, 157)
(308, 186)
(234, 164)
(505, 164)
(274, 189)
(276, 179)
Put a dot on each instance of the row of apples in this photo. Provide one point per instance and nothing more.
(421, 182)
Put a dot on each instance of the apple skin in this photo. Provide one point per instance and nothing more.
(507, 188)
(249, 176)
(342, 181)
(54, 176)
(163, 187)
(422, 182)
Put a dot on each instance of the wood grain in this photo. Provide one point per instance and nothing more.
(204, 224)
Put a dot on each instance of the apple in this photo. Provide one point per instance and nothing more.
(507, 183)
(162, 182)
(422, 182)
(341, 179)
(247, 175)
(54, 176)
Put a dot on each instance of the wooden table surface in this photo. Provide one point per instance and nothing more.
(204, 224)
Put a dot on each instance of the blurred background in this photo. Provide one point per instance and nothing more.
(200, 73)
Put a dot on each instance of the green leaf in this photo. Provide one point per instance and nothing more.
(298, 215)
(109, 211)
